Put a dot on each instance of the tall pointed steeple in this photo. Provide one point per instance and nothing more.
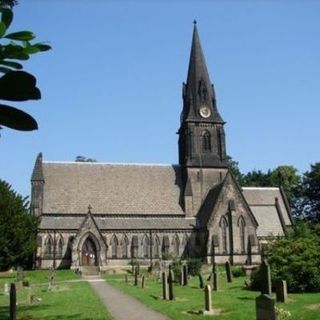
(198, 92)
(201, 134)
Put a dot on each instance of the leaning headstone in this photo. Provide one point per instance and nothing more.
(164, 286)
(207, 301)
(13, 302)
(281, 291)
(6, 289)
(52, 280)
(181, 276)
(200, 281)
(265, 308)
(228, 271)
(265, 278)
(142, 282)
(185, 274)
(215, 281)
(136, 277)
(171, 280)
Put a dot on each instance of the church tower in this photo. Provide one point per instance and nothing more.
(202, 148)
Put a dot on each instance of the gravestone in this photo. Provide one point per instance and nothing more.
(265, 278)
(281, 291)
(126, 279)
(207, 301)
(228, 271)
(142, 282)
(132, 267)
(136, 276)
(171, 280)
(265, 308)
(6, 289)
(200, 281)
(185, 274)
(215, 281)
(138, 268)
(52, 279)
(181, 276)
(164, 286)
(13, 302)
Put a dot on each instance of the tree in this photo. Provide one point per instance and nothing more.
(257, 178)
(16, 85)
(289, 179)
(18, 229)
(310, 203)
(234, 167)
(84, 159)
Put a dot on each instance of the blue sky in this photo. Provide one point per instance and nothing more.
(111, 86)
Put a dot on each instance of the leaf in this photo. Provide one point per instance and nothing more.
(16, 119)
(7, 16)
(30, 49)
(3, 29)
(19, 86)
(11, 64)
(5, 70)
(21, 36)
(42, 46)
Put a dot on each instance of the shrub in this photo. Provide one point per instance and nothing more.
(296, 259)
(194, 266)
(238, 272)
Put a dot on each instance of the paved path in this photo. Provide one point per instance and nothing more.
(120, 305)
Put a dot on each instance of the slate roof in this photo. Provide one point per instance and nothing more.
(64, 222)
(263, 205)
(111, 188)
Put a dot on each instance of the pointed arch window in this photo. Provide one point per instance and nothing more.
(146, 247)
(189, 143)
(224, 234)
(156, 247)
(206, 141)
(134, 247)
(242, 225)
(49, 246)
(124, 247)
(59, 247)
(165, 247)
(176, 245)
(114, 246)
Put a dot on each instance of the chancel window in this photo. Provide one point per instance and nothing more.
(206, 141)
(241, 225)
(224, 234)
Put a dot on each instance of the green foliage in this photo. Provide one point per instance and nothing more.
(234, 167)
(296, 259)
(176, 268)
(16, 85)
(311, 193)
(238, 272)
(194, 266)
(18, 229)
(84, 159)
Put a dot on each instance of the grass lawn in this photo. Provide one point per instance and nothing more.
(69, 300)
(235, 302)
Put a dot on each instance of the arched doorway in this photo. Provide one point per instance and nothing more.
(89, 253)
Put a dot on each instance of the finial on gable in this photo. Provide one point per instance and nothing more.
(89, 208)
(194, 21)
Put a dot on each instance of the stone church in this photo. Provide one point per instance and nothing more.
(104, 214)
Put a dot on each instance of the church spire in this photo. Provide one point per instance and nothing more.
(199, 96)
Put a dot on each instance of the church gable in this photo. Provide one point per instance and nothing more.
(230, 223)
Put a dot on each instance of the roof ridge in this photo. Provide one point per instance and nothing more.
(113, 163)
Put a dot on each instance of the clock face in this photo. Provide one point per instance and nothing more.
(205, 112)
